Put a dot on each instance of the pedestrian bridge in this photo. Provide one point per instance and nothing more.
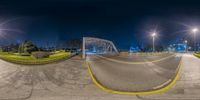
(93, 45)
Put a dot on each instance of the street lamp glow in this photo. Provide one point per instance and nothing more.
(153, 34)
(194, 30)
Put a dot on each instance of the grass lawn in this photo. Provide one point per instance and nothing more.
(197, 54)
(29, 60)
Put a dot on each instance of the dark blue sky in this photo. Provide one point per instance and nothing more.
(125, 22)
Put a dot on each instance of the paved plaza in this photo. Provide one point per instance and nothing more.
(70, 80)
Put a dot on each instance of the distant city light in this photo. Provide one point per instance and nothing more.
(186, 41)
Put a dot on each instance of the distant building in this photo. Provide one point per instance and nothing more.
(180, 47)
(134, 49)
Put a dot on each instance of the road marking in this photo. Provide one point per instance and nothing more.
(133, 55)
(162, 85)
(153, 91)
(125, 62)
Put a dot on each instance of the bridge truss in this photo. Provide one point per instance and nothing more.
(93, 45)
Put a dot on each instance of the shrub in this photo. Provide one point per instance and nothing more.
(23, 54)
(40, 54)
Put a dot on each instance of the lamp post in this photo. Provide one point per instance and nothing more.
(186, 46)
(194, 30)
(153, 36)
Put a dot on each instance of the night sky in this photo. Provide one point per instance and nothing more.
(126, 23)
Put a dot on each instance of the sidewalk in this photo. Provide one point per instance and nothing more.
(187, 87)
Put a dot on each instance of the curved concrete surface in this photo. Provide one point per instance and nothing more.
(139, 77)
(69, 80)
(19, 82)
(136, 58)
(187, 87)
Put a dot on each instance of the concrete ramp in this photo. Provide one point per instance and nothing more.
(187, 87)
(139, 77)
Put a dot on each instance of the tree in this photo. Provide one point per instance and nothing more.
(13, 47)
(27, 47)
(21, 48)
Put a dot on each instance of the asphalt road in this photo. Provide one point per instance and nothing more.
(134, 77)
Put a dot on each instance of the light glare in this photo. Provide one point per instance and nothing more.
(195, 30)
(154, 34)
(186, 41)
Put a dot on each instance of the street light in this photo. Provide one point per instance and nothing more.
(186, 45)
(153, 35)
(194, 31)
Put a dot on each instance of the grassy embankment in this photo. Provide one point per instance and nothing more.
(30, 60)
(197, 54)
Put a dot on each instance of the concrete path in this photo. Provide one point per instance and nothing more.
(69, 80)
(187, 87)
(23, 82)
